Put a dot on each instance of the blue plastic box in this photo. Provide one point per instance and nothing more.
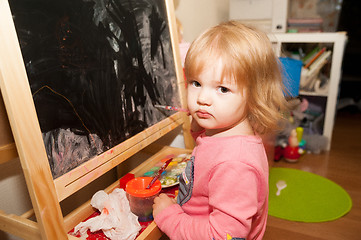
(291, 75)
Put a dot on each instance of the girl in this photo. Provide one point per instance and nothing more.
(235, 93)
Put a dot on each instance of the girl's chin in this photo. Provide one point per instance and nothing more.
(209, 127)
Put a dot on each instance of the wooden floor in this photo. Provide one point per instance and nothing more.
(342, 164)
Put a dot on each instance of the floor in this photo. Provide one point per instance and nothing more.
(342, 164)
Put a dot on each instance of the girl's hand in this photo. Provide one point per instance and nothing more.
(161, 203)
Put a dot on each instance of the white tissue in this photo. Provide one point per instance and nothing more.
(115, 219)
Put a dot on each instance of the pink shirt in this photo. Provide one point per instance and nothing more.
(227, 192)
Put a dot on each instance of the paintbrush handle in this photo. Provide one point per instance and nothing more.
(176, 109)
(157, 175)
(172, 108)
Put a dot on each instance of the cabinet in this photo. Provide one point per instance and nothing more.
(336, 42)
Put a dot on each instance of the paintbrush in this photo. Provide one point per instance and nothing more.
(157, 175)
(171, 108)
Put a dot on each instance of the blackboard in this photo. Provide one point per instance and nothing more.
(96, 68)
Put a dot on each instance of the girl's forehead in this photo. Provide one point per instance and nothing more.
(222, 66)
(219, 73)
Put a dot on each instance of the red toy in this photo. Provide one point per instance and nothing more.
(292, 152)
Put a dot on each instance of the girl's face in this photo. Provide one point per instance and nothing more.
(218, 106)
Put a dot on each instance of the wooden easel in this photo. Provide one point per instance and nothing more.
(46, 193)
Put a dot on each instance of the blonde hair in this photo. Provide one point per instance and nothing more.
(249, 60)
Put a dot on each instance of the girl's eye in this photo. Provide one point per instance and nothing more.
(195, 84)
(223, 90)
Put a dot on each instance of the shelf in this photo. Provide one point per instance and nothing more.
(305, 93)
(323, 37)
(337, 41)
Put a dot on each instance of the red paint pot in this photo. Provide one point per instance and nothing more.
(140, 198)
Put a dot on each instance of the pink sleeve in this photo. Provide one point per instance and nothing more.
(233, 191)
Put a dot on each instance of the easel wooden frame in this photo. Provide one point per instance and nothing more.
(46, 193)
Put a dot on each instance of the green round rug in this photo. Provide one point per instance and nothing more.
(305, 197)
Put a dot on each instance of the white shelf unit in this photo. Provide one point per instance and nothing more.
(338, 40)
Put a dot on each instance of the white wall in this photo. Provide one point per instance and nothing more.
(198, 15)
(14, 197)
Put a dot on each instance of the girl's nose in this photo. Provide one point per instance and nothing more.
(203, 98)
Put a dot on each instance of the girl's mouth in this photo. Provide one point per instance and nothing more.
(203, 114)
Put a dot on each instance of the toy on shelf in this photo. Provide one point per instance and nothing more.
(300, 138)
(306, 118)
(292, 150)
(316, 143)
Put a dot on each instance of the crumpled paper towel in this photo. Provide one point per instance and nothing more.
(115, 219)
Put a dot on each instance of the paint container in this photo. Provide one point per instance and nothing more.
(140, 198)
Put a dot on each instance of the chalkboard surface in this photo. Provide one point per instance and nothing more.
(96, 69)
